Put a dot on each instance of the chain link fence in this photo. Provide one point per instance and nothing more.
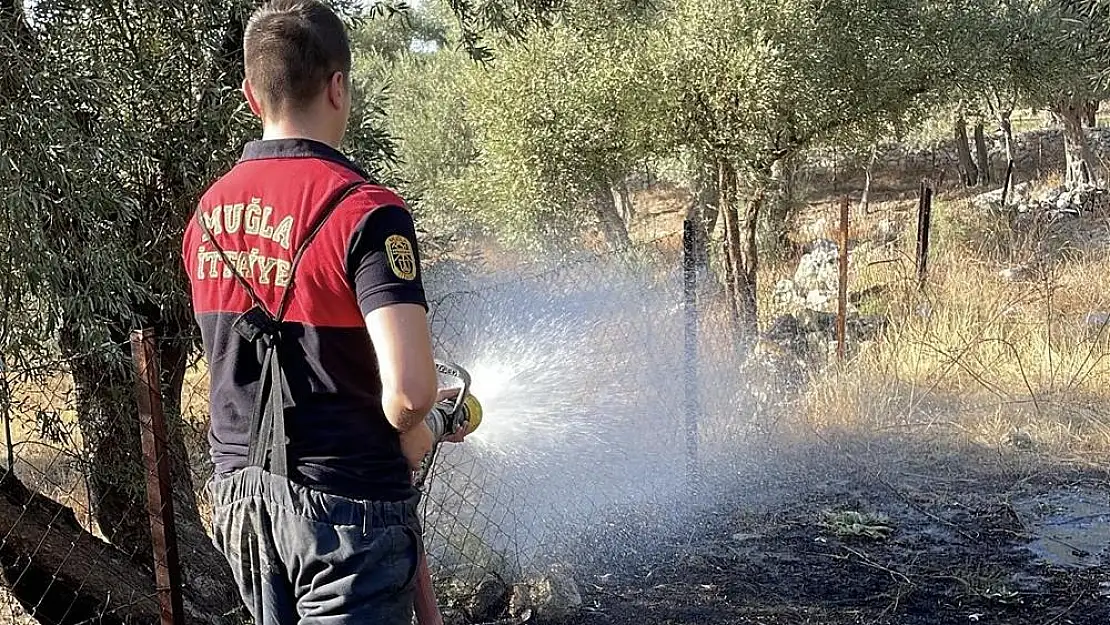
(582, 449)
(75, 519)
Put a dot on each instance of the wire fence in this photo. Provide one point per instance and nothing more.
(583, 451)
(588, 423)
(74, 528)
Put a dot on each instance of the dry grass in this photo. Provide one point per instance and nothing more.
(991, 361)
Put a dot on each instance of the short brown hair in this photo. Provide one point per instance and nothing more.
(291, 48)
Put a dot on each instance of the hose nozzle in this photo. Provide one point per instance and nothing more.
(450, 417)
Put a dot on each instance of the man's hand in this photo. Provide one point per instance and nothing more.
(416, 444)
(451, 393)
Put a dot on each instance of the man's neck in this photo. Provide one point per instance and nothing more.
(294, 130)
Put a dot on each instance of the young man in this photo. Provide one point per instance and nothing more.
(307, 287)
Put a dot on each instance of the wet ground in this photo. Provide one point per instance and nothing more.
(907, 545)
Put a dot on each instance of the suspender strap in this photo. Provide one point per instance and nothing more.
(267, 425)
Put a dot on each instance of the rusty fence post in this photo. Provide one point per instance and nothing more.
(6, 415)
(842, 286)
(690, 368)
(924, 218)
(159, 493)
(1008, 181)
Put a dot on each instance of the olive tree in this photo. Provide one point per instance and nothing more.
(114, 116)
(750, 84)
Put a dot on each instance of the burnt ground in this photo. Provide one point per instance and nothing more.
(968, 542)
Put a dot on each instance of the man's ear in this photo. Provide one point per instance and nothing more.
(252, 101)
(338, 86)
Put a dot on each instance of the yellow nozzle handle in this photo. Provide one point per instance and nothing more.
(473, 413)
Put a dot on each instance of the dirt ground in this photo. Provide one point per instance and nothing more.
(948, 537)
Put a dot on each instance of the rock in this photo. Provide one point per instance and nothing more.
(1020, 190)
(988, 200)
(489, 600)
(1019, 273)
(520, 603)
(1064, 200)
(818, 269)
(1097, 324)
(821, 300)
(555, 595)
(823, 245)
(887, 231)
(785, 296)
(1053, 195)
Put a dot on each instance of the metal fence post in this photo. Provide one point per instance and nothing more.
(842, 288)
(1008, 181)
(148, 389)
(690, 368)
(6, 415)
(924, 217)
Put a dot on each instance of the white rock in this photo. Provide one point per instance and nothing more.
(818, 269)
(555, 595)
(1014, 274)
(1052, 195)
(887, 231)
(824, 301)
(1097, 319)
(786, 294)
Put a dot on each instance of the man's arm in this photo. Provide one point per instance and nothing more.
(383, 265)
(405, 361)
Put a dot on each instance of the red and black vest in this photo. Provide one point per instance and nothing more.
(363, 255)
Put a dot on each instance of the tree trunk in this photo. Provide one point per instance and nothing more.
(749, 259)
(703, 210)
(865, 197)
(1090, 114)
(982, 156)
(622, 199)
(780, 209)
(726, 185)
(110, 430)
(1080, 161)
(1007, 128)
(63, 575)
(107, 415)
(106, 407)
(609, 219)
(967, 165)
(741, 254)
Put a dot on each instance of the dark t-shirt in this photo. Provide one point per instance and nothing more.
(364, 257)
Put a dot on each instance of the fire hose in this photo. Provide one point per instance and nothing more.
(459, 414)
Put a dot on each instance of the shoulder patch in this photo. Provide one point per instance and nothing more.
(402, 258)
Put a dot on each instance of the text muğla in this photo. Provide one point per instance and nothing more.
(253, 219)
